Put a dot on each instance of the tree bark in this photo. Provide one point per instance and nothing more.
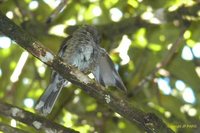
(33, 120)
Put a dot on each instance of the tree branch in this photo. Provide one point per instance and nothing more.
(147, 121)
(33, 120)
(8, 129)
(54, 14)
(164, 62)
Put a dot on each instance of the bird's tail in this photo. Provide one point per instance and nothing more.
(49, 97)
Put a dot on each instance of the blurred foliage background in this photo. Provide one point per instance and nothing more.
(136, 33)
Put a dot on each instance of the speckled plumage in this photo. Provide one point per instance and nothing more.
(83, 56)
(82, 50)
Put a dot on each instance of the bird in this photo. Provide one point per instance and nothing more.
(82, 50)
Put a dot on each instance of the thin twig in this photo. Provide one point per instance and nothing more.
(33, 120)
(8, 129)
(163, 63)
(58, 9)
(22, 7)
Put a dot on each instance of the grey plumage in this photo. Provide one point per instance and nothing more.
(83, 51)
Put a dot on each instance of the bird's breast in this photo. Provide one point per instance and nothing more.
(82, 56)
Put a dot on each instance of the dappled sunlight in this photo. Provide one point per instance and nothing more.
(26, 81)
(192, 112)
(58, 30)
(156, 17)
(188, 95)
(93, 0)
(140, 38)
(97, 11)
(0, 72)
(91, 107)
(173, 8)
(110, 3)
(163, 84)
(134, 3)
(167, 114)
(190, 42)
(13, 123)
(197, 69)
(157, 107)
(117, 115)
(187, 108)
(179, 3)
(186, 92)
(155, 47)
(28, 102)
(121, 125)
(115, 14)
(169, 46)
(9, 14)
(67, 119)
(154, 51)
(71, 22)
(33, 5)
(41, 68)
(123, 49)
(186, 53)
(91, 76)
(5, 42)
(85, 128)
(162, 38)
(180, 85)
(196, 50)
(77, 91)
(76, 99)
(52, 3)
(148, 14)
(18, 69)
(164, 72)
(187, 34)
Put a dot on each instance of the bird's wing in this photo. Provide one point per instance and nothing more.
(106, 74)
(49, 97)
(63, 46)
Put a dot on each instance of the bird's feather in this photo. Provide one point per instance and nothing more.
(106, 74)
(82, 50)
(49, 97)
